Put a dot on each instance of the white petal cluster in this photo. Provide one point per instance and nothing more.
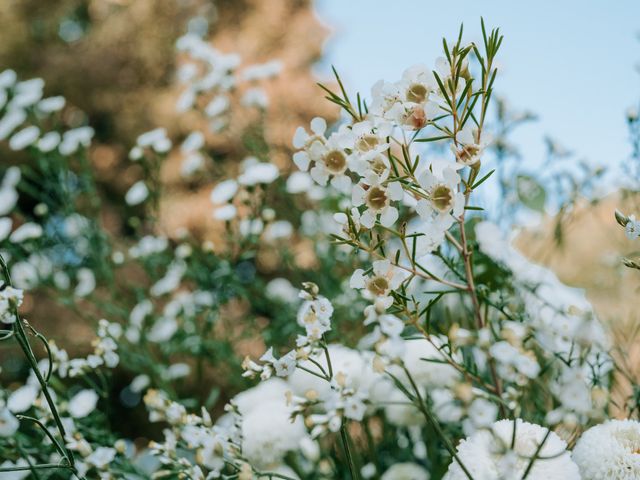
(609, 450)
(10, 299)
(489, 454)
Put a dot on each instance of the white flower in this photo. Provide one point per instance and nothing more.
(148, 245)
(10, 298)
(286, 364)
(400, 411)
(82, 403)
(171, 280)
(73, 139)
(369, 138)
(255, 97)
(262, 70)
(377, 200)
(609, 451)
(27, 93)
(224, 191)
(426, 363)
(469, 150)
(482, 413)
(22, 398)
(299, 182)
(5, 226)
(26, 231)
(86, 282)
(11, 120)
(417, 84)
(193, 142)
(488, 455)
(315, 317)
(101, 457)
(277, 230)
(405, 471)
(51, 104)
(8, 78)
(444, 198)
(268, 432)
(24, 275)
(137, 194)
(191, 163)
(311, 145)
(347, 362)
(384, 279)
(332, 160)
(281, 289)
(217, 106)
(258, 173)
(162, 330)
(632, 228)
(156, 139)
(25, 137)
(8, 423)
(49, 141)
(225, 213)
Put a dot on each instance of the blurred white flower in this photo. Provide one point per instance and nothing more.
(5, 226)
(73, 139)
(11, 120)
(24, 138)
(101, 457)
(86, 282)
(405, 471)
(9, 424)
(49, 141)
(26, 231)
(82, 403)
(225, 213)
(51, 104)
(609, 451)
(258, 173)
(224, 191)
(488, 454)
(137, 194)
(255, 97)
(22, 398)
(10, 298)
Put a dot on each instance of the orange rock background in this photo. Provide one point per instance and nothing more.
(120, 72)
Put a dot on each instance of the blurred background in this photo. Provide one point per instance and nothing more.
(568, 69)
(573, 65)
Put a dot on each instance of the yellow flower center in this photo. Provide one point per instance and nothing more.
(336, 161)
(442, 198)
(417, 93)
(468, 153)
(376, 198)
(378, 285)
(367, 143)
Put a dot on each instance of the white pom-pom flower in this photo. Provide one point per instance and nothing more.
(488, 455)
(610, 450)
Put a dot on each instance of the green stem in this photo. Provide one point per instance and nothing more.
(347, 450)
(436, 425)
(23, 341)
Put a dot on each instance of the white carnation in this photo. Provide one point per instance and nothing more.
(488, 455)
(268, 433)
(609, 450)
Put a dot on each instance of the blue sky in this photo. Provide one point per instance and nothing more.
(571, 62)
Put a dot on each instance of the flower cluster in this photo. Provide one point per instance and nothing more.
(436, 350)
